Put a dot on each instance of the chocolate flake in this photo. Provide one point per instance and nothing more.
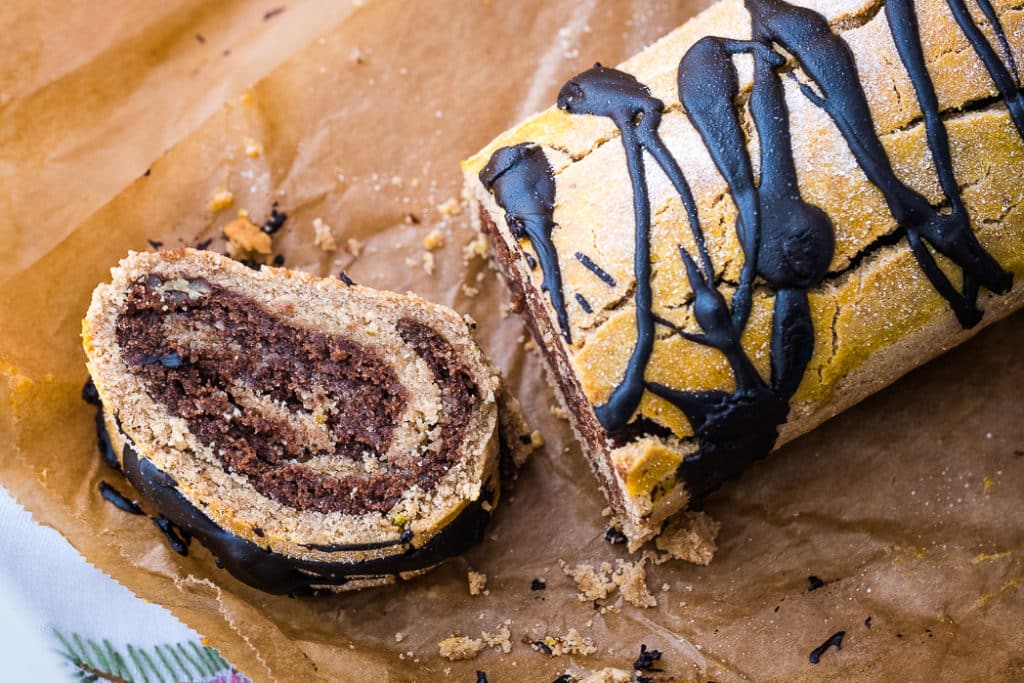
(564, 678)
(867, 623)
(278, 260)
(168, 360)
(202, 246)
(156, 244)
(270, 14)
(176, 537)
(276, 220)
(584, 304)
(597, 270)
(541, 646)
(646, 660)
(146, 174)
(119, 500)
(538, 585)
(835, 640)
(345, 278)
(814, 583)
(481, 677)
(614, 536)
(530, 261)
(201, 39)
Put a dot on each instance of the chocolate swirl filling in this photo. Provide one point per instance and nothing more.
(268, 397)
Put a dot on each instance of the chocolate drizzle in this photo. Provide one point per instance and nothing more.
(274, 572)
(524, 186)
(787, 243)
(827, 60)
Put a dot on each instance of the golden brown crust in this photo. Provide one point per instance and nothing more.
(876, 315)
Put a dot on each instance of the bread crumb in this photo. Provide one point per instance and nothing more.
(599, 582)
(559, 412)
(253, 149)
(221, 199)
(399, 637)
(593, 583)
(572, 643)
(608, 675)
(501, 638)
(354, 246)
(457, 648)
(477, 582)
(450, 207)
(245, 237)
(428, 263)
(475, 249)
(433, 240)
(530, 344)
(689, 536)
(323, 235)
(470, 292)
(536, 439)
(631, 578)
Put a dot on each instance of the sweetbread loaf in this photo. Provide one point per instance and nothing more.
(769, 214)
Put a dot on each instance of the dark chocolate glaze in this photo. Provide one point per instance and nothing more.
(1005, 82)
(597, 270)
(524, 186)
(835, 640)
(92, 397)
(997, 27)
(828, 61)
(119, 500)
(279, 574)
(787, 242)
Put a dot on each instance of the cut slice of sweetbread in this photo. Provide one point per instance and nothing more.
(772, 212)
(310, 432)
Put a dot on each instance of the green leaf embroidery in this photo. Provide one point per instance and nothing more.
(95, 661)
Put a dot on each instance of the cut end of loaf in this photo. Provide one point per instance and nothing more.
(347, 430)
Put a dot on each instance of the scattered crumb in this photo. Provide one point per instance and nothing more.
(252, 148)
(593, 583)
(450, 207)
(245, 237)
(631, 578)
(475, 249)
(399, 637)
(354, 246)
(221, 199)
(428, 263)
(572, 643)
(665, 588)
(536, 439)
(530, 345)
(608, 675)
(689, 536)
(457, 648)
(323, 235)
(470, 292)
(433, 240)
(558, 412)
(597, 583)
(501, 639)
(477, 582)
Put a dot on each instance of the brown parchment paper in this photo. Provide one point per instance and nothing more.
(909, 505)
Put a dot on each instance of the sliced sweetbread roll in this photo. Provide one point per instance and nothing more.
(311, 433)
